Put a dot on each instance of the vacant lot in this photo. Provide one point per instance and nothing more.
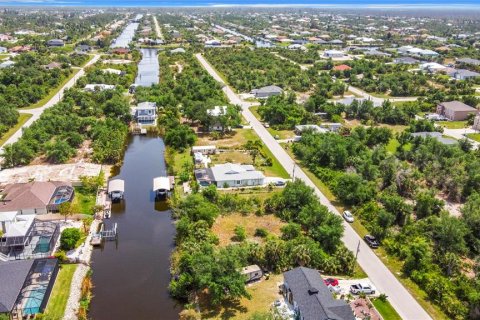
(225, 225)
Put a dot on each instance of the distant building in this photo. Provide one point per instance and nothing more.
(468, 61)
(266, 92)
(3, 49)
(342, 67)
(310, 298)
(462, 74)
(177, 50)
(297, 47)
(55, 43)
(299, 129)
(53, 65)
(98, 87)
(455, 110)
(83, 48)
(7, 64)
(205, 150)
(333, 54)
(216, 112)
(120, 51)
(406, 60)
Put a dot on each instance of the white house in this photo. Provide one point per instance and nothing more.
(333, 54)
(235, 175)
(145, 113)
(432, 67)
(204, 149)
(98, 87)
(216, 112)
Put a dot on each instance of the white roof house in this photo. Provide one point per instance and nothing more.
(145, 113)
(297, 47)
(177, 50)
(432, 67)
(333, 54)
(6, 64)
(99, 86)
(235, 175)
(112, 71)
(161, 183)
(217, 111)
(13, 224)
(204, 149)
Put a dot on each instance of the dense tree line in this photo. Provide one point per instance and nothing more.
(311, 237)
(97, 116)
(398, 199)
(27, 82)
(247, 69)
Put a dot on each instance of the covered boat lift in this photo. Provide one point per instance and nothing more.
(162, 186)
(116, 189)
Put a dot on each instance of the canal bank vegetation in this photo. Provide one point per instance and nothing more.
(400, 198)
(292, 228)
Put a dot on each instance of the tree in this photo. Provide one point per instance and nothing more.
(59, 151)
(426, 204)
(254, 148)
(240, 233)
(291, 231)
(69, 238)
(67, 209)
(353, 190)
(449, 234)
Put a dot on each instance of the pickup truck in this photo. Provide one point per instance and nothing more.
(362, 288)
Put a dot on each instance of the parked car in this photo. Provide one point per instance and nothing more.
(362, 288)
(348, 216)
(330, 282)
(279, 183)
(371, 241)
(335, 289)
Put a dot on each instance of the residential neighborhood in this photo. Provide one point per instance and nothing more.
(249, 161)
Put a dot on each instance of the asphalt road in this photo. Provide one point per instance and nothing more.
(37, 112)
(378, 273)
(158, 31)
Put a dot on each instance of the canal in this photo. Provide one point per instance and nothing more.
(131, 276)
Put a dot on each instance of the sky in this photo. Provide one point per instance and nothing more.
(403, 4)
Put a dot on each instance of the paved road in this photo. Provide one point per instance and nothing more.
(157, 27)
(377, 100)
(378, 273)
(461, 134)
(37, 112)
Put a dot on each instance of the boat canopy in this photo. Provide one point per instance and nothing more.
(116, 185)
(161, 183)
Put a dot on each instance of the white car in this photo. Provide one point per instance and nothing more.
(362, 288)
(348, 216)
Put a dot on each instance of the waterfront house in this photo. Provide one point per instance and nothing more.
(455, 110)
(145, 113)
(235, 175)
(267, 92)
(309, 297)
(35, 197)
(26, 286)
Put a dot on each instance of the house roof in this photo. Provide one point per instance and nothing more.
(313, 297)
(463, 72)
(28, 195)
(16, 225)
(268, 89)
(12, 278)
(231, 171)
(436, 135)
(147, 105)
(217, 111)
(457, 106)
(471, 61)
(342, 67)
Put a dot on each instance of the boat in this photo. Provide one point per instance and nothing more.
(116, 190)
(162, 186)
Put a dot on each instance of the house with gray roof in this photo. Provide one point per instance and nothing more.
(310, 298)
(55, 43)
(26, 286)
(231, 175)
(435, 135)
(469, 61)
(462, 74)
(266, 92)
(406, 60)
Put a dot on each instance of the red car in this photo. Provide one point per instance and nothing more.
(330, 282)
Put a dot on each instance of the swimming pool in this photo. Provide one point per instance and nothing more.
(34, 301)
(43, 245)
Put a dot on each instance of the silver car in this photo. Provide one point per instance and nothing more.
(348, 216)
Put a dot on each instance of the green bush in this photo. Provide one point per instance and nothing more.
(240, 233)
(69, 238)
(261, 232)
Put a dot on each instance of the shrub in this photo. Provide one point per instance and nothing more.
(69, 238)
(61, 256)
(240, 233)
(261, 232)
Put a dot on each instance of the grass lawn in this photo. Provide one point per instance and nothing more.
(453, 124)
(254, 110)
(52, 92)
(282, 134)
(224, 226)
(263, 293)
(60, 293)
(23, 117)
(176, 160)
(474, 136)
(84, 200)
(386, 310)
